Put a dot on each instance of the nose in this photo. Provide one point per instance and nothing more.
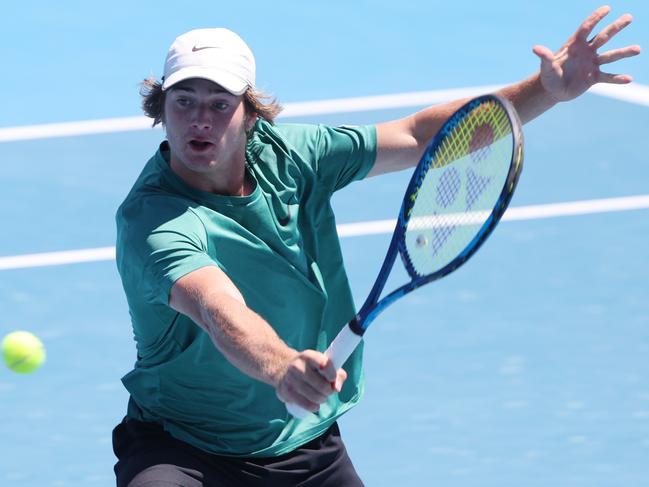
(202, 119)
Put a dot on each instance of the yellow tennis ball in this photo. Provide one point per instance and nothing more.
(23, 352)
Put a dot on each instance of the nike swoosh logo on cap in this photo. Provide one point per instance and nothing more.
(195, 49)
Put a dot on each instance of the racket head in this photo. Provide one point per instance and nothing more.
(460, 189)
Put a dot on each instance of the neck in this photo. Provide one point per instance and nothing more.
(223, 179)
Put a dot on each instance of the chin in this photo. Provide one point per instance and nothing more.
(199, 162)
(200, 165)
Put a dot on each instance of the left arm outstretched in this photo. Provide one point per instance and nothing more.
(563, 75)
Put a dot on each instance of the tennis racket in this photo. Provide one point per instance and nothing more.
(456, 197)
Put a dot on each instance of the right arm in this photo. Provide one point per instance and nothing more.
(213, 302)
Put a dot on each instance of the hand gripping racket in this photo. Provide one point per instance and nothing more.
(456, 197)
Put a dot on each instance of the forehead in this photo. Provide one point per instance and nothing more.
(199, 85)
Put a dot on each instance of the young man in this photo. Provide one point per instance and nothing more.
(229, 257)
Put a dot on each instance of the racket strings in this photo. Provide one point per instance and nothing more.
(451, 182)
(458, 191)
(476, 185)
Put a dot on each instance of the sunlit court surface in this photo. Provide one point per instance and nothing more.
(526, 367)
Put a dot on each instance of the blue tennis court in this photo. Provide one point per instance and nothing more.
(526, 367)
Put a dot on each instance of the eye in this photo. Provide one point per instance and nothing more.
(183, 102)
(221, 105)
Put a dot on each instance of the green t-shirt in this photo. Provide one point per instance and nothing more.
(280, 248)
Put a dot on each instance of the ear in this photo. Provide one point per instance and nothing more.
(249, 124)
(251, 119)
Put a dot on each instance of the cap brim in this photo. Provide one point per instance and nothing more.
(232, 83)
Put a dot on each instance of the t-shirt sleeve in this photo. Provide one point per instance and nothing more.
(337, 155)
(159, 243)
(344, 154)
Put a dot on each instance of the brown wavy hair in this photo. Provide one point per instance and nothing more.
(255, 101)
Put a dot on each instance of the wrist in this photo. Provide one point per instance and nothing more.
(277, 368)
(543, 94)
(530, 97)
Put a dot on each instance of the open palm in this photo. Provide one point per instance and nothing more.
(575, 67)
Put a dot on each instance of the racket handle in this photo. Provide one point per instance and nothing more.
(343, 345)
(296, 411)
(339, 351)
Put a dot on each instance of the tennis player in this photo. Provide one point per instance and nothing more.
(231, 265)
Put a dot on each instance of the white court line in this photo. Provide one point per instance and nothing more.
(353, 229)
(533, 212)
(633, 93)
(57, 258)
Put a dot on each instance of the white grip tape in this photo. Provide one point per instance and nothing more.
(297, 411)
(339, 351)
(342, 347)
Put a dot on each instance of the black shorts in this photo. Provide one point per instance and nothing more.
(149, 456)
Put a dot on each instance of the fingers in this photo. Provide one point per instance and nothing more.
(341, 376)
(616, 79)
(617, 54)
(570, 71)
(610, 31)
(593, 19)
(545, 54)
(335, 378)
(309, 380)
(314, 391)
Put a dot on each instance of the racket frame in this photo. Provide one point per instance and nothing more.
(372, 305)
(351, 335)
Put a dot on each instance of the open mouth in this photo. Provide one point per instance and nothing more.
(200, 145)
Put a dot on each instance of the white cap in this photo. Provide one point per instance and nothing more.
(218, 55)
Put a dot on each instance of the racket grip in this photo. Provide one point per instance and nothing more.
(296, 411)
(339, 351)
(342, 347)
